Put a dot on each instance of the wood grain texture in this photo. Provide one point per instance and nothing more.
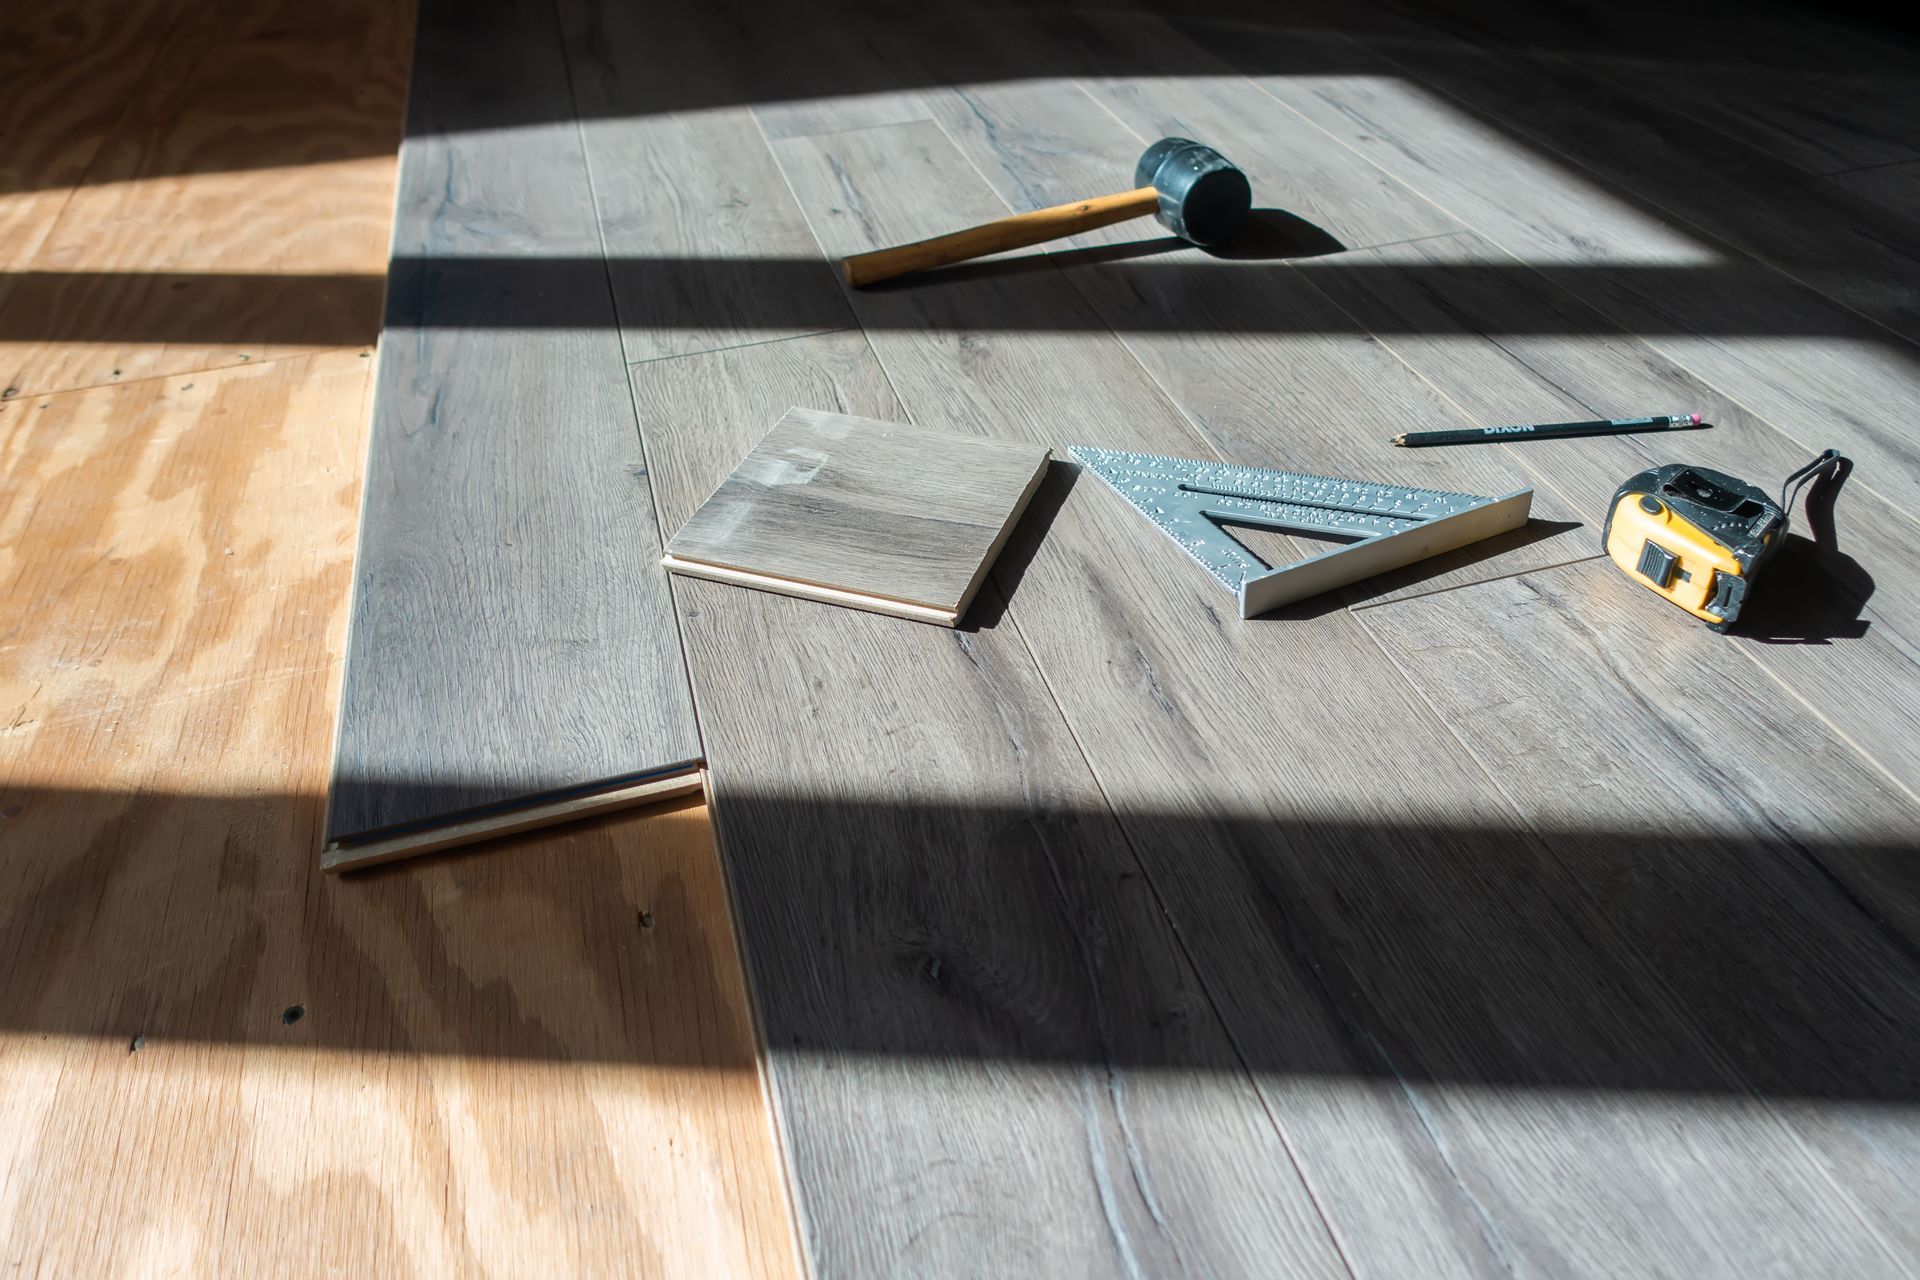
(863, 507)
(1363, 912)
(59, 100)
(704, 247)
(1895, 186)
(1778, 348)
(973, 1006)
(262, 109)
(1240, 353)
(512, 630)
(212, 1059)
(1833, 628)
(1750, 906)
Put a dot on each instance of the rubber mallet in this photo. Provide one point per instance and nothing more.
(1194, 190)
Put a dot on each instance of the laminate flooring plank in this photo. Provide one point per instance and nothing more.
(975, 1011)
(848, 506)
(1741, 72)
(512, 632)
(1778, 899)
(1776, 347)
(1463, 1076)
(1207, 328)
(817, 66)
(704, 246)
(1838, 629)
(1857, 254)
(1897, 186)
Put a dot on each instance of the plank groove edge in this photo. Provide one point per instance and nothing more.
(351, 856)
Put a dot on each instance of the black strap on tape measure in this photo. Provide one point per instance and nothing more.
(1826, 474)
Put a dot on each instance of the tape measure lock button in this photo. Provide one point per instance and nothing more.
(1656, 562)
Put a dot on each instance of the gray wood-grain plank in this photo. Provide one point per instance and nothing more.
(512, 634)
(988, 1054)
(1745, 878)
(703, 244)
(1210, 329)
(854, 504)
(1896, 186)
(1834, 628)
(1779, 348)
(1404, 881)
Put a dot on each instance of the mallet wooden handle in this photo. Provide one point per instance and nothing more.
(1009, 233)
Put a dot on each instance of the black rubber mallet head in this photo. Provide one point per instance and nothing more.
(1203, 198)
(1193, 190)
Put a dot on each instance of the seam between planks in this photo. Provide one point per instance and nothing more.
(1709, 237)
(731, 346)
(1658, 984)
(1179, 941)
(769, 1095)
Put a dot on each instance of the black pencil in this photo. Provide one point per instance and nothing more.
(1552, 430)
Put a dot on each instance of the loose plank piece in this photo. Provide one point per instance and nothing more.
(874, 515)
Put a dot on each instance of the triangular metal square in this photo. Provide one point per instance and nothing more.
(1393, 525)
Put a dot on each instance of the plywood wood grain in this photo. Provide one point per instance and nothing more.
(886, 511)
(214, 1059)
(259, 145)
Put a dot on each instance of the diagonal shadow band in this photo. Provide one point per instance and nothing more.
(980, 931)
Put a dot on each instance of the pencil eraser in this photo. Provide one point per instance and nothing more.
(1695, 417)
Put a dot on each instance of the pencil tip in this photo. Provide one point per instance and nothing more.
(1400, 441)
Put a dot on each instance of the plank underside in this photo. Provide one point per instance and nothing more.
(812, 591)
(531, 816)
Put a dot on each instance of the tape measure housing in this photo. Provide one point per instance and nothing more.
(1696, 536)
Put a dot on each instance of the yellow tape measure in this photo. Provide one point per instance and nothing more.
(1700, 537)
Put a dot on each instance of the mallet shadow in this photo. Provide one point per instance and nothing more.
(1269, 235)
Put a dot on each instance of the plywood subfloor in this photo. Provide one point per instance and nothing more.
(212, 1058)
